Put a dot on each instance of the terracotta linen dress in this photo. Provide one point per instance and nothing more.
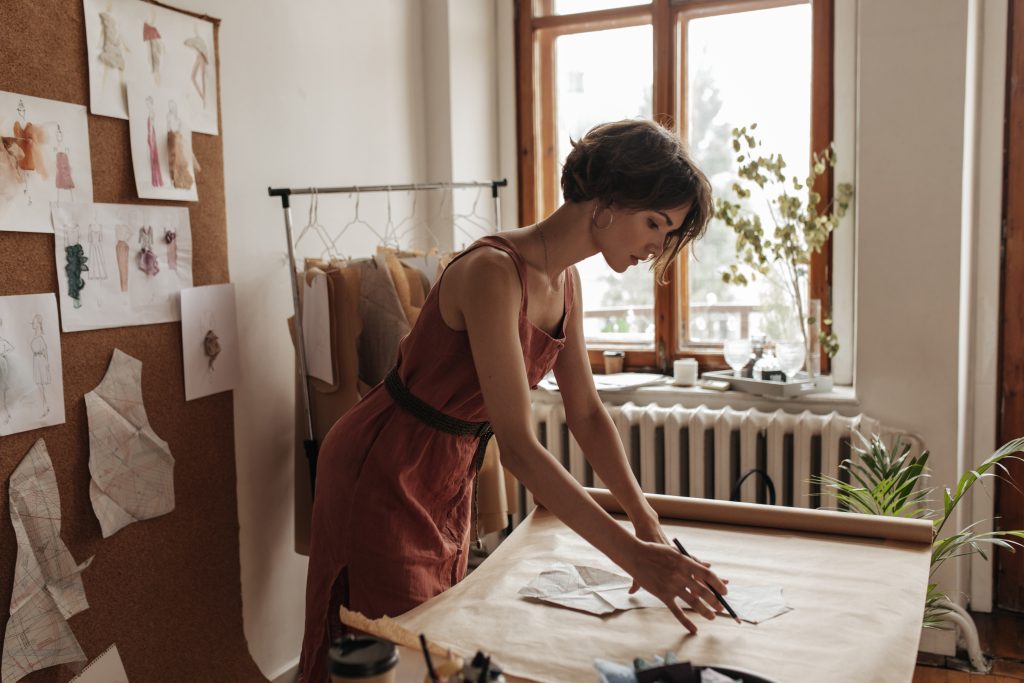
(391, 513)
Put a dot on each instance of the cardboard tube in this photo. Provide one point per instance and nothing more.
(779, 517)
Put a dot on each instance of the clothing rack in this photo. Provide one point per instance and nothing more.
(310, 444)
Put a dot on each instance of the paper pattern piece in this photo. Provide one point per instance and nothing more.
(31, 372)
(136, 260)
(161, 144)
(48, 586)
(316, 328)
(44, 157)
(599, 591)
(132, 468)
(857, 600)
(107, 668)
(209, 340)
(135, 41)
(588, 589)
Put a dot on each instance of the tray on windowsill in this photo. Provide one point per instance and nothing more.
(798, 386)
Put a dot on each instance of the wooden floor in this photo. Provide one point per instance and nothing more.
(1002, 638)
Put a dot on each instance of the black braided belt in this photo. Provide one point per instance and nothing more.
(429, 415)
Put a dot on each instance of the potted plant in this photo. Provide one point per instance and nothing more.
(887, 481)
(802, 226)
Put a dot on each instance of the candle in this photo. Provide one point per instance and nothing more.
(684, 372)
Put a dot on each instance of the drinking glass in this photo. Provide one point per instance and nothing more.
(737, 353)
(791, 357)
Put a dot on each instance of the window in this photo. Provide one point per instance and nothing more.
(707, 65)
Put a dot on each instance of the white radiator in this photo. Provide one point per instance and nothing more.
(701, 452)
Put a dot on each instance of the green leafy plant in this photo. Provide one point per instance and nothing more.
(887, 481)
(802, 225)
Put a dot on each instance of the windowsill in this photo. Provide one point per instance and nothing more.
(842, 399)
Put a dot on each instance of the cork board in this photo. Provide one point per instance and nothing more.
(166, 590)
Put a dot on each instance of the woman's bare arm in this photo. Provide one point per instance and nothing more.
(593, 427)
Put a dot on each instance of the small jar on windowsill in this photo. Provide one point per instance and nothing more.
(613, 361)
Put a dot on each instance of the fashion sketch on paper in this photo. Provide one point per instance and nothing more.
(148, 262)
(76, 263)
(211, 342)
(177, 157)
(5, 374)
(156, 177)
(40, 361)
(151, 36)
(97, 261)
(64, 179)
(25, 147)
(171, 240)
(200, 66)
(123, 233)
(111, 46)
(12, 181)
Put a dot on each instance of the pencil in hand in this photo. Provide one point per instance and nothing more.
(718, 596)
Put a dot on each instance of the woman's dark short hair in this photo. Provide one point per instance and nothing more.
(640, 165)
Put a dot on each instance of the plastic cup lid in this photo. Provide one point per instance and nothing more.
(363, 656)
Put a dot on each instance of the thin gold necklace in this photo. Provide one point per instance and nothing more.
(544, 241)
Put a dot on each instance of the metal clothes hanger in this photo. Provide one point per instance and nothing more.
(473, 219)
(390, 231)
(415, 221)
(356, 221)
(313, 223)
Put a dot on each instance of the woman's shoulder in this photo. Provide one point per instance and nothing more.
(488, 261)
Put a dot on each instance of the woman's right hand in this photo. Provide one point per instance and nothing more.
(668, 574)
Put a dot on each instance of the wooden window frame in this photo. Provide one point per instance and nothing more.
(1008, 568)
(536, 30)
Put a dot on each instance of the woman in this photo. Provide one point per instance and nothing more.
(391, 513)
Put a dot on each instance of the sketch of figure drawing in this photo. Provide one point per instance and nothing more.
(156, 46)
(148, 262)
(40, 361)
(156, 177)
(123, 233)
(25, 148)
(5, 373)
(97, 261)
(200, 65)
(110, 55)
(177, 157)
(64, 180)
(11, 177)
(211, 342)
(171, 240)
(76, 263)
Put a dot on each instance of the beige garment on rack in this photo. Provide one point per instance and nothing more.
(329, 401)
(384, 320)
(408, 285)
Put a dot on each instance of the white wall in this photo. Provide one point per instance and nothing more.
(312, 93)
(927, 206)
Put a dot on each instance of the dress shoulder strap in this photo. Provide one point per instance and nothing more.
(501, 243)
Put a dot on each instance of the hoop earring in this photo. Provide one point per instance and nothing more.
(593, 219)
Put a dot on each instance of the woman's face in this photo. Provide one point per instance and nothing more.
(635, 236)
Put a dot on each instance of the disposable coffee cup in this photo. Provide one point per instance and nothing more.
(362, 660)
(613, 362)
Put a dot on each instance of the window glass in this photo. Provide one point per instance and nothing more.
(605, 76)
(743, 68)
